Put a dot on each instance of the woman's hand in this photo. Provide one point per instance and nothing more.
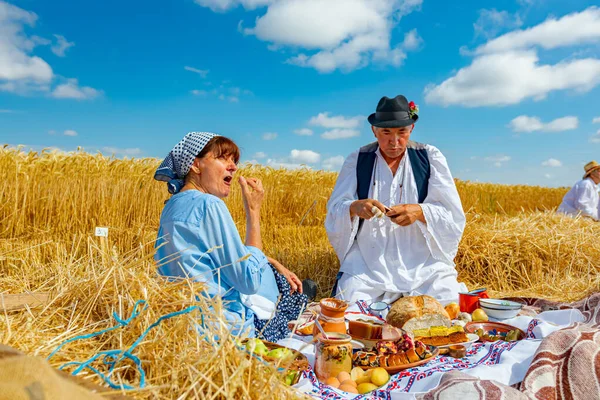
(366, 209)
(406, 214)
(252, 193)
(293, 280)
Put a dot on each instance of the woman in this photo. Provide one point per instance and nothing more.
(197, 238)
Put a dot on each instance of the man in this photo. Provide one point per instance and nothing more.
(394, 217)
(583, 197)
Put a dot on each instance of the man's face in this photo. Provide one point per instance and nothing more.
(392, 141)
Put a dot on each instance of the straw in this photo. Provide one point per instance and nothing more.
(321, 329)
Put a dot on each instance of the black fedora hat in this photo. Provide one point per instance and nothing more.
(394, 113)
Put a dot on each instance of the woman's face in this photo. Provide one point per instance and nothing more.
(216, 174)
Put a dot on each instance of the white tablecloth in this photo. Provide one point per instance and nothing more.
(505, 362)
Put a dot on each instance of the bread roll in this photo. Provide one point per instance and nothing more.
(417, 312)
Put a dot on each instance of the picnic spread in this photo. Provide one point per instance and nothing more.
(546, 350)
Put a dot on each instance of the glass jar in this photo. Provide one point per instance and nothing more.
(333, 355)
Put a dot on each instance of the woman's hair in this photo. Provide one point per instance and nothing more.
(221, 146)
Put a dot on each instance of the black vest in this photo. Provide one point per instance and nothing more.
(419, 161)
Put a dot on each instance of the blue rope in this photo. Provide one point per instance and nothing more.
(113, 357)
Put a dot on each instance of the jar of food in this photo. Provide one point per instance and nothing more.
(330, 325)
(331, 316)
(333, 308)
(333, 355)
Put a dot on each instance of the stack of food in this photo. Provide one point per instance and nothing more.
(441, 335)
(389, 353)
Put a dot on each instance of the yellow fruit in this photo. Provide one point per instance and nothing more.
(363, 379)
(380, 377)
(342, 376)
(452, 309)
(369, 373)
(348, 382)
(479, 315)
(348, 388)
(366, 388)
(333, 382)
(356, 373)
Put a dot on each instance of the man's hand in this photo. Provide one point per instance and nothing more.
(366, 209)
(293, 280)
(406, 214)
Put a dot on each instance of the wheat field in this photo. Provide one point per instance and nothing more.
(514, 244)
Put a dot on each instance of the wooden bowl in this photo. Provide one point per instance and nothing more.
(471, 327)
(300, 362)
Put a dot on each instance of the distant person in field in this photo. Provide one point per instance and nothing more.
(198, 239)
(395, 218)
(583, 197)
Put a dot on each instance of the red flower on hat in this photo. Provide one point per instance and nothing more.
(413, 109)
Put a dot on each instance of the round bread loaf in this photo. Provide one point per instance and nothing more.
(417, 312)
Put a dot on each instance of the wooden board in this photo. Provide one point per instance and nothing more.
(395, 369)
(16, 302)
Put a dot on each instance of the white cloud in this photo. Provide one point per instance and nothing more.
(197, 92)
(6, 111)
(70, 132)
(524, 123)
(572, 29)
(412, 40)
(21, 72)
(304, 156)
(340, 134)
(61, 45)
(548, 176)
(260, 155)
(596, 120)
(275, 163)
(509, 78)
(303, 132)
(507, 70)
(51, 132)
(333, 163)
(17, 66)
(128, 152)
(201, 72)
(336, 121)
(552, 162)
(269, 136)
(332, 34)
(491, 22)
(498, 160)
(595, 138)
(562, 124)
(72, 90)
(225, 5)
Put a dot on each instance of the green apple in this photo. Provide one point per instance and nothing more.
(256, 346)
(281, 353)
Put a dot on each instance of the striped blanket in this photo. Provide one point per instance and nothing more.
(565, 366)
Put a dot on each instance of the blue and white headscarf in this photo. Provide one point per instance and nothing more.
(179, 161)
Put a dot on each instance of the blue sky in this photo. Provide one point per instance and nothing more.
(508, 90)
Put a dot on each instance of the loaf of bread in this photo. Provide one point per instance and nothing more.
(417, 312)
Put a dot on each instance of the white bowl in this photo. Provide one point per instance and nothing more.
(500, 304)
(499, 314)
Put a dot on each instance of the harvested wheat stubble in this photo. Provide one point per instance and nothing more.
(50, 204)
